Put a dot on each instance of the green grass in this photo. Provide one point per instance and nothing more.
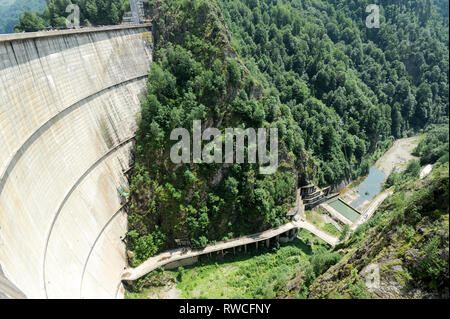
(329, 228)
(316, 217)
(142, 294)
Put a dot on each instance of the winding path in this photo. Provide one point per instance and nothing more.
(329, 239)
(164, 258)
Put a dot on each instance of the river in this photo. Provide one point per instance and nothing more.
(395, 158)
(369, 187)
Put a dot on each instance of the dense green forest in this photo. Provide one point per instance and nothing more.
(434, 148)
(197, 76)
(336, 90)
(92, 12)
(348, 87)
(11, 10)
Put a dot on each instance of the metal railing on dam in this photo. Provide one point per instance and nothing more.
(58, 33)
(68, 106)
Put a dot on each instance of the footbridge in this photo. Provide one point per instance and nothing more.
(288, 230)
(68, 105)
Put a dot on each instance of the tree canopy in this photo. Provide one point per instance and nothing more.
(92, 12)
(337, 92)
(11, 11)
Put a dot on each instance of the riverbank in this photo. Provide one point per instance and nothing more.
(398, 156)
(395, 158)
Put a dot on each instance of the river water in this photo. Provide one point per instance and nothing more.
(369, 187)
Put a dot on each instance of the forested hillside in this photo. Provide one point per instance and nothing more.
(401, 252)
(11, 10)
(196, 75)
(336, 90)
(347, 86)
(407, 240)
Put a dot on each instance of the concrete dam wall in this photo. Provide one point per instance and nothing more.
(68, 105)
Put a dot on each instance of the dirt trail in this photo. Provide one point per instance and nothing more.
(398, 155)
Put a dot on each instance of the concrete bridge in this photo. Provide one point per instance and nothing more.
(289, 230)
(68, 101)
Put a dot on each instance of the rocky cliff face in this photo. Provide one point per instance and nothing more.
(197, 75)
(402, 253)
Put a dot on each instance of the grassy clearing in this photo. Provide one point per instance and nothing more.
(146, 293)
(319, 220)
(258, 274)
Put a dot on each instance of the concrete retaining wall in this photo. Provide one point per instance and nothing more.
(68, 103)
(181, 263)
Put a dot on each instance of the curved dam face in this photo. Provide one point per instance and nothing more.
(68, 105)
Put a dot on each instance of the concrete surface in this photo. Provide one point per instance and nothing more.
(68, 101)
(425, 170)
(7, 289)
(335, 214)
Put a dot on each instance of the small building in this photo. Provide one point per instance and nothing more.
(313, 195)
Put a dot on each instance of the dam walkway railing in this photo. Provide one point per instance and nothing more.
(56, 33)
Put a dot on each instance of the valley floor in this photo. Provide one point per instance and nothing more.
(396, 158)
(267, 272)
(263, 273)
(398, 155)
